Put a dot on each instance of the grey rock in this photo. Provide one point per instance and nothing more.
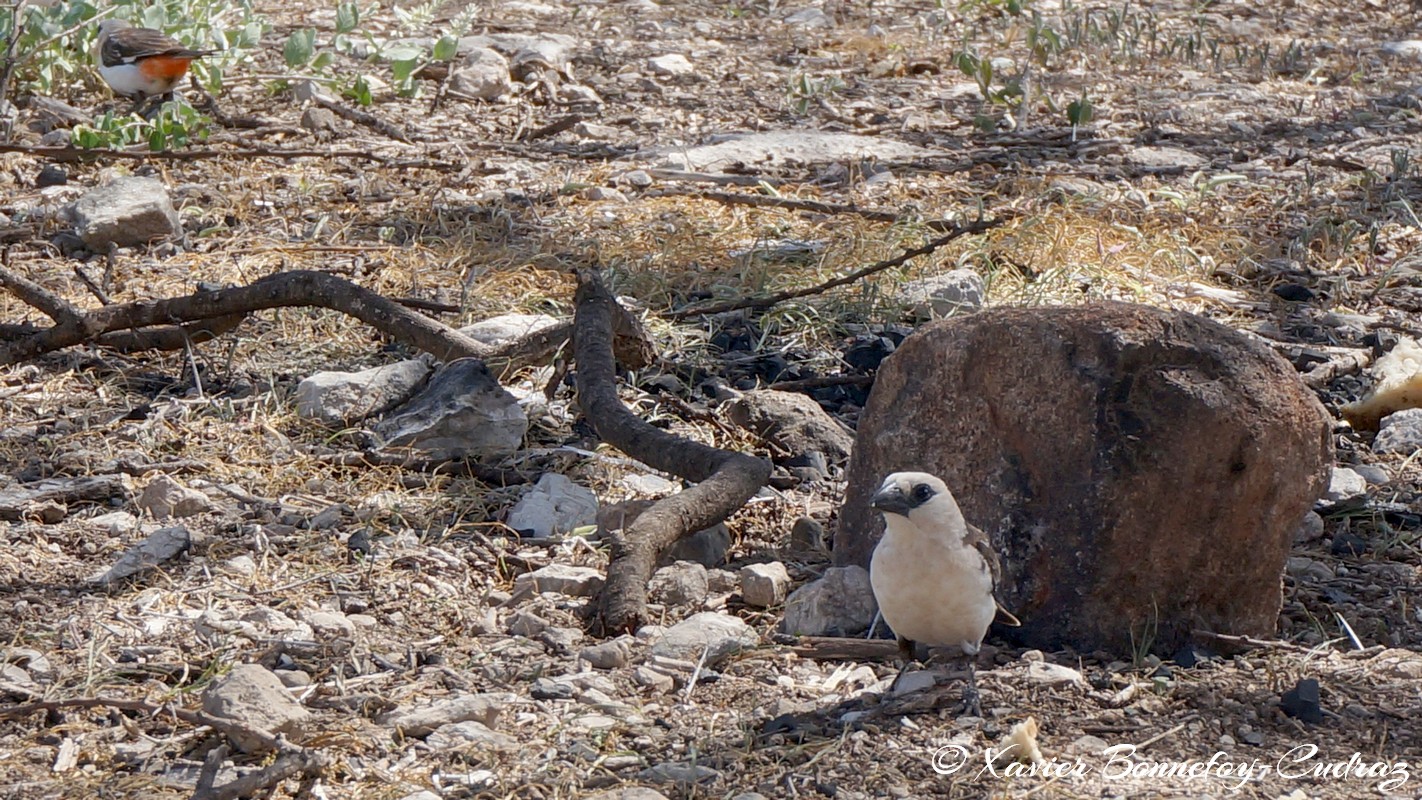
(841, 603)
(1308, 570)
(780, 147)
(127, 212)
(331, 625)
(807, 535)
(576, 93)
(721, 581)
(1406, 48)
(914, 681)
(794, 422)
(681, 774)
(1046, 673)
(551, 48)
(462, 411)
(561, 641)
(164, 497)
(563, 579)
(1163, 157)
(609, 655)
(718, 635)
(555, 505)
(764, 585)
(671, 65)
(809, 18)
(1373, 474)
(251, 695)
(707, 548)
(654, 680)
(319, 120)
(960, 290)
(629, 793)
(482, 74)
(348, 397)
(161, 546)
(330, 517)
(422, 795)
(602, 193)
(419, 721)
(682, 583)
(1400, 432)
(114, 523)
(1087, 745)
(526, 623)
(293, 678)
(35, 663)
(1346, 489)
(639, 178)
(1311, 529)
(456, 735)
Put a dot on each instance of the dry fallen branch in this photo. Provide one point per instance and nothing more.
(206, 315)
(299, 288)
(844, 280)
(292, 759)
(724, 480)
(67, 155)
(165, 337)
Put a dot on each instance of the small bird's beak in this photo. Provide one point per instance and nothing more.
(891, 501)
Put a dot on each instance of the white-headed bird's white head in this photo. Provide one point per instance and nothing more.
(920, 499)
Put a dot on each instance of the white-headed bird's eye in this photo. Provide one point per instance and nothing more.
(921, 493)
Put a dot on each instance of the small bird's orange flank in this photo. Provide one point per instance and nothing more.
(140, 62)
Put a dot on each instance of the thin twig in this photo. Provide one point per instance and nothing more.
(844, 280)
(788, 203)
(68, 154)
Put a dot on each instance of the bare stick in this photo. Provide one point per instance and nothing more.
(788, 203)
(844, 280)
(725, 480)
(298, 288)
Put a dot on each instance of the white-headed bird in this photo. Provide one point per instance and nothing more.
(933, 574)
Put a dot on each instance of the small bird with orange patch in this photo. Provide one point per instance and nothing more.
(142, 63)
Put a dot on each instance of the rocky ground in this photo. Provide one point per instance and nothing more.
(1249, 162)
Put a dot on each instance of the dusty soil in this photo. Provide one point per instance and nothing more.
(1240, 154)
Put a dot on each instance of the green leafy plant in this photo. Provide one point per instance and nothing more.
(175, 124)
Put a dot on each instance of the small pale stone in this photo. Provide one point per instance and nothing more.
(671, 65)
(421, 720)
(682, 583)
(1049, 674)
(717, 635)
(764, 585)
(164, 497)
(563, 579)
(658, 682)
(608, 655)
(252, 695)
(463, 734)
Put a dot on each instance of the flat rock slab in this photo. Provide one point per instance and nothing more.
(462, 411)
(126, 212)
(254, 697)
(1141, 472)
(781, 147)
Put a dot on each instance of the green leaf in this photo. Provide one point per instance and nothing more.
(323, 60)
(347, 17)
(404, 69)
(404, 52)
(446, 48)
(299, 48)
(361, 90)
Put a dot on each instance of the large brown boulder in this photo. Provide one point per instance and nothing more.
(1140, 471)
